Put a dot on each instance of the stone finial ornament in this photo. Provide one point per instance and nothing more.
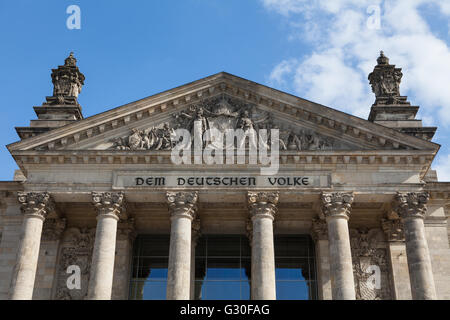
(67, 83)
(108, 203)
(337, 204)
(36, 204)
(262, 203)
(385, 81)
(182, 203)
(411, 205)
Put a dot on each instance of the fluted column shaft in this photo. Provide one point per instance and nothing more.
(35, 207)
(411, 207)
(183, 209)
(336, 208)
(109, 207)
(263, 207)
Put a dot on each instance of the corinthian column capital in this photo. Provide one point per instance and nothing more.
(262, 203)
(393, 229)
(337, 204)
(182, 204)
(108, 203)
(411, 204)
(36, 204)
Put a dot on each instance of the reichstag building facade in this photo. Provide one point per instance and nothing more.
(101, 209)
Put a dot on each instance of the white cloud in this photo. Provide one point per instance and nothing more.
(345, 52)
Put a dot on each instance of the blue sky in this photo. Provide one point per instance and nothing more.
(319, 50)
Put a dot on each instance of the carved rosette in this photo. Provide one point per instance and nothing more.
(182, 204)
(319, 229)
(411, 205)
(337, 204)
(109, 203)
(262, 204)
(393, 229)
(53, 229)
(36, 204)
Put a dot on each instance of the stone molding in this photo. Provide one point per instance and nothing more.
(337, 204)
(411, 204)
(319, 229)
(53, 229)
(393, 229)
(262, 204)
(109, 203)
(182, 204)
(38, 204)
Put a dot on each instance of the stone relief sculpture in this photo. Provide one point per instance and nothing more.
(155, 138)
(76, 250)
(369, 255)
(222, 113)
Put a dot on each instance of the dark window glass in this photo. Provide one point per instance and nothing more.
(150, 266)
(222, 268)
(295, 268)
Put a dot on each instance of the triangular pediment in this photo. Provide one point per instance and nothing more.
(226, 101)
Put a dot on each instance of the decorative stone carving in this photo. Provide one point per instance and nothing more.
(36, 204)
(53, 229)
(76, 250)
(67, 83)
(222, 113)
(155, 138)
(319, 229)
(337, 204)
(385, 81)
(109, 203)
(411, 205)
(249, 230)
(262, 203)
(126, 230)
(182, 203)
(196, 231)
(393, 229)
(369, 256)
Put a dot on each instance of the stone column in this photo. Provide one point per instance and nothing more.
(262, 209)
(336, 207)
(399, 274)
(183, 209)
(35, 207)
(109, 208)
(412, 207)
(320, 236)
